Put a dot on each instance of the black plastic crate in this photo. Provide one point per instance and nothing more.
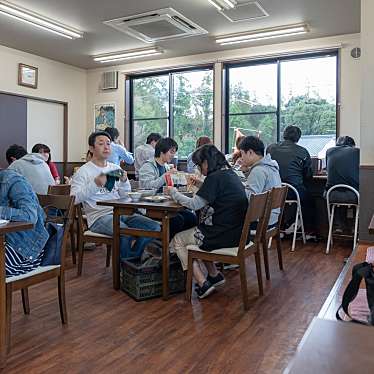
(145, 282)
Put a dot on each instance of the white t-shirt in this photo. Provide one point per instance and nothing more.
(85, 190)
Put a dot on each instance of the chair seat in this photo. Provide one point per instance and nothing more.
(344, 204)
(38, 270)
(97, 235)
(222, 251)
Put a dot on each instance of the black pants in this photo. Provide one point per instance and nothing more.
(184, 220)
(307, 207)
(340, 215)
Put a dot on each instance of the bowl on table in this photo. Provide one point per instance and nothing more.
(134, 196)
(145, 193)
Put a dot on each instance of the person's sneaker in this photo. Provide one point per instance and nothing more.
(216, 281)
(205, 290)
(230, 266)
(290, 230)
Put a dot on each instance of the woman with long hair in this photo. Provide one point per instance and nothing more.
(223, 203)
(45, 151)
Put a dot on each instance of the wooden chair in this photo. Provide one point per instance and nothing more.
(87, 236)
(43, 273)
(64, 189)
(277, 201)
(237, 255)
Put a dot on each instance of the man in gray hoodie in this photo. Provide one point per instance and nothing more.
(264, 172)
(32, 166)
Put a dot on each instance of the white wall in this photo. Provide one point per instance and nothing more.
(350, 77)
(367, 92)
(57, 81)
(45, 124)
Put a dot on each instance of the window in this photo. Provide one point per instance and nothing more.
(266, 96)
(177, 104)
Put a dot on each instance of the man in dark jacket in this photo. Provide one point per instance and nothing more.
(295, 167)
(343, 167)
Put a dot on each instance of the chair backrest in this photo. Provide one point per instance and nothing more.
(64, 204)
(81, 224)
(59, 189)
(256, 212)
(342, 186)
(277, 198)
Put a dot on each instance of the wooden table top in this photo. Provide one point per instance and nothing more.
(333, 347)
(169, 205)
(15, 226)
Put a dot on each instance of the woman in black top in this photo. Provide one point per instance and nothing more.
(222, 202)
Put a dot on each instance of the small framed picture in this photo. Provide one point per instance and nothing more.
(27, 76)
(105, 116)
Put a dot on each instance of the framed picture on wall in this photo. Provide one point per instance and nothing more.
(105, 116)
(27, 76)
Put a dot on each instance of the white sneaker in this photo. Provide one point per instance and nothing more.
(290, 230)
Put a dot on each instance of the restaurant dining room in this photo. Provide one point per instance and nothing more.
(185, 186)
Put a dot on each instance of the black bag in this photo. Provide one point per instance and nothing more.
(52, 249)
(359, 271)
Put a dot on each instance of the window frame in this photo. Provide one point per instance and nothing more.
(170, 118)
(276, 60)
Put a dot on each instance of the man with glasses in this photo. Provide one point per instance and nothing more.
(154, 175)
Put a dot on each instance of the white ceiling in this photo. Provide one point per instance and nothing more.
(325, 17)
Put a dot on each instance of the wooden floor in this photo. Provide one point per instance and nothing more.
(108, 332)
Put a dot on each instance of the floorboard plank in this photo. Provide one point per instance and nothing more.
(108, 332)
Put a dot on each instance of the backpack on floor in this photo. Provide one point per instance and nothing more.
(359, 271)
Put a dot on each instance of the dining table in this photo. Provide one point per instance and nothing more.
(6, 229)
(161, 211)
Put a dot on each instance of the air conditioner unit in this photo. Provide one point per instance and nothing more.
(157, 25)
(110, 80)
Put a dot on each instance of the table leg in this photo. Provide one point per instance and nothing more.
(3, 347)
(116, 250)
(165, 257)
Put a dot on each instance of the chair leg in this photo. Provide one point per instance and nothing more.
(9, 292)
(331, 223)
(62, 299)
(302, 224)
(356, 227)
(266, 259)
(270, 241)
(189, 277)
(279, 250)
(108, 254)
(80, 256)
(243, 284)
(25, 300)
(259, 273)
(72, 243)
(295, 229)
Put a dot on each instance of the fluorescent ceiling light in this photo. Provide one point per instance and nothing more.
(36, 20)
(230, 3)
(276, 32)
(223, 4)
(127, 55)
(216, 5)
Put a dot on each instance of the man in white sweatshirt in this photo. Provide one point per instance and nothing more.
(90, 184)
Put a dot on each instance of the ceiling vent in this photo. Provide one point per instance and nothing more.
(157, 25)
(248, 11)
(110, 80)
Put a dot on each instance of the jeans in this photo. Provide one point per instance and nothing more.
(104, 225)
